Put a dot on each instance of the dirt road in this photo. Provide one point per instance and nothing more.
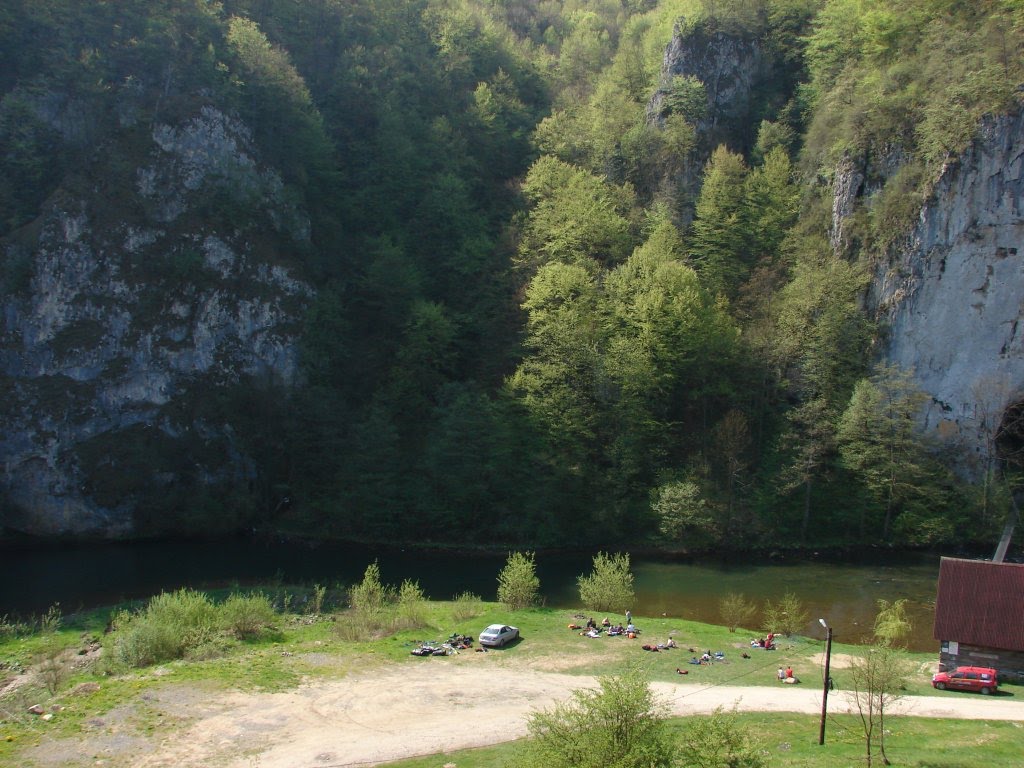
(449, 704)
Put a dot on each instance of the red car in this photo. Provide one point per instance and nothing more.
(980, 679)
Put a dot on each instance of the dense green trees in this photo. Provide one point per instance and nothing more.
(518, 333)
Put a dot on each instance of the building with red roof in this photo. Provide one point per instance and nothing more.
(979, 616)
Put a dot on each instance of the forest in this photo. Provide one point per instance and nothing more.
(563, 299)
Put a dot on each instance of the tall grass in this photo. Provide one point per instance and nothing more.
(467, 606)
(186, 623)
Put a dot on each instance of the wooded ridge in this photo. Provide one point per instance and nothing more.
(698, 274)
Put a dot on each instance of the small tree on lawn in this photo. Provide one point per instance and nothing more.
(609, 587)
(879, 677)
(518, 584)
(878, 680)
(736, 611)
(619, 724)
(787, 617)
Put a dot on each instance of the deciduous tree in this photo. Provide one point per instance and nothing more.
(609, 586)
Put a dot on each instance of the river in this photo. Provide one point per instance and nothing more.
(844, 593)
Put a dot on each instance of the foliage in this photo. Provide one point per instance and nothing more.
(683, 514)
(609, 585)
(411, 604)
(879, 440)
(518, 585)
(878, 679)
(736, 611)
(429, 165)
(717, 238)
(319, 591)
(788, 616)
(891, 623)
(370, 594)
(245, 616)
(719, 740)
(467, 606)
(619, 723)
(170, 625)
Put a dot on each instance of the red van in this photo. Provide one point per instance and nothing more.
(980, 679)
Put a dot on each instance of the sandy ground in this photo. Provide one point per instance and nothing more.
(408, 710)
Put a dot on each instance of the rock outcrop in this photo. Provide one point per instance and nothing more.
(729, 65)
(952, 299)
(134, 310)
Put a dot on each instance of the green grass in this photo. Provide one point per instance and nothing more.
(302, 647)
(791, 741)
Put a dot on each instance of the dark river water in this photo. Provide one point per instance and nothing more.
(844, 593)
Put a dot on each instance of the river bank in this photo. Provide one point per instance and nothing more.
(306, 697)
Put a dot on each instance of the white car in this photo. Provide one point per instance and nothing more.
(498, 635)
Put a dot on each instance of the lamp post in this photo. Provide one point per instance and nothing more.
(824, 690)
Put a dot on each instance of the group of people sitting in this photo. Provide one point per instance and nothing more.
(767, 643)
(593, 630)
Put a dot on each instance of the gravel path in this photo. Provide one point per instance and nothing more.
(445, 705)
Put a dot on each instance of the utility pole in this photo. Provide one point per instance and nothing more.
(825, 686)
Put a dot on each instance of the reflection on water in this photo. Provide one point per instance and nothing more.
(845, 594)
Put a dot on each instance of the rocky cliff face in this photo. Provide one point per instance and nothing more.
(730, 65)
(134, 310)
(953, 298)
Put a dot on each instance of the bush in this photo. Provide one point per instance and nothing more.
(53, 666)
(412, 605)
(370, 595)
(718, 740)
(620, 724)
(246, 615)
(736, 611)
(165, 629)
(467, 606)
(319, 591)
(609, 587)
(518, 584)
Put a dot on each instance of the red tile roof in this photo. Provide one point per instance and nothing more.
(980, 603)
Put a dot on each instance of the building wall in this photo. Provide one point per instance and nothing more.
(1009, 664)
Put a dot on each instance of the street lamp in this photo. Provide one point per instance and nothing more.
(824, 691)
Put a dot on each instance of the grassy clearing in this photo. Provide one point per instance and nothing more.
(307, 645)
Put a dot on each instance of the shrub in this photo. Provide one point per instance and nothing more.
(736, 611)
(370, 595)
(412, 605)
(467, 606)
(318, 598)
(165, 629)
(51, 620)
(518, 584)
(609, 587)
(246, 615)
(619, 724)
(718, 740)
(53, 665)
(12, 627)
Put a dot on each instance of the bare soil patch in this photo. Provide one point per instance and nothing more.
(384, 714)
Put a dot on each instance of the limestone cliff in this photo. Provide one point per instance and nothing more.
(133, 310)
(952, 297)
(729, 64)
